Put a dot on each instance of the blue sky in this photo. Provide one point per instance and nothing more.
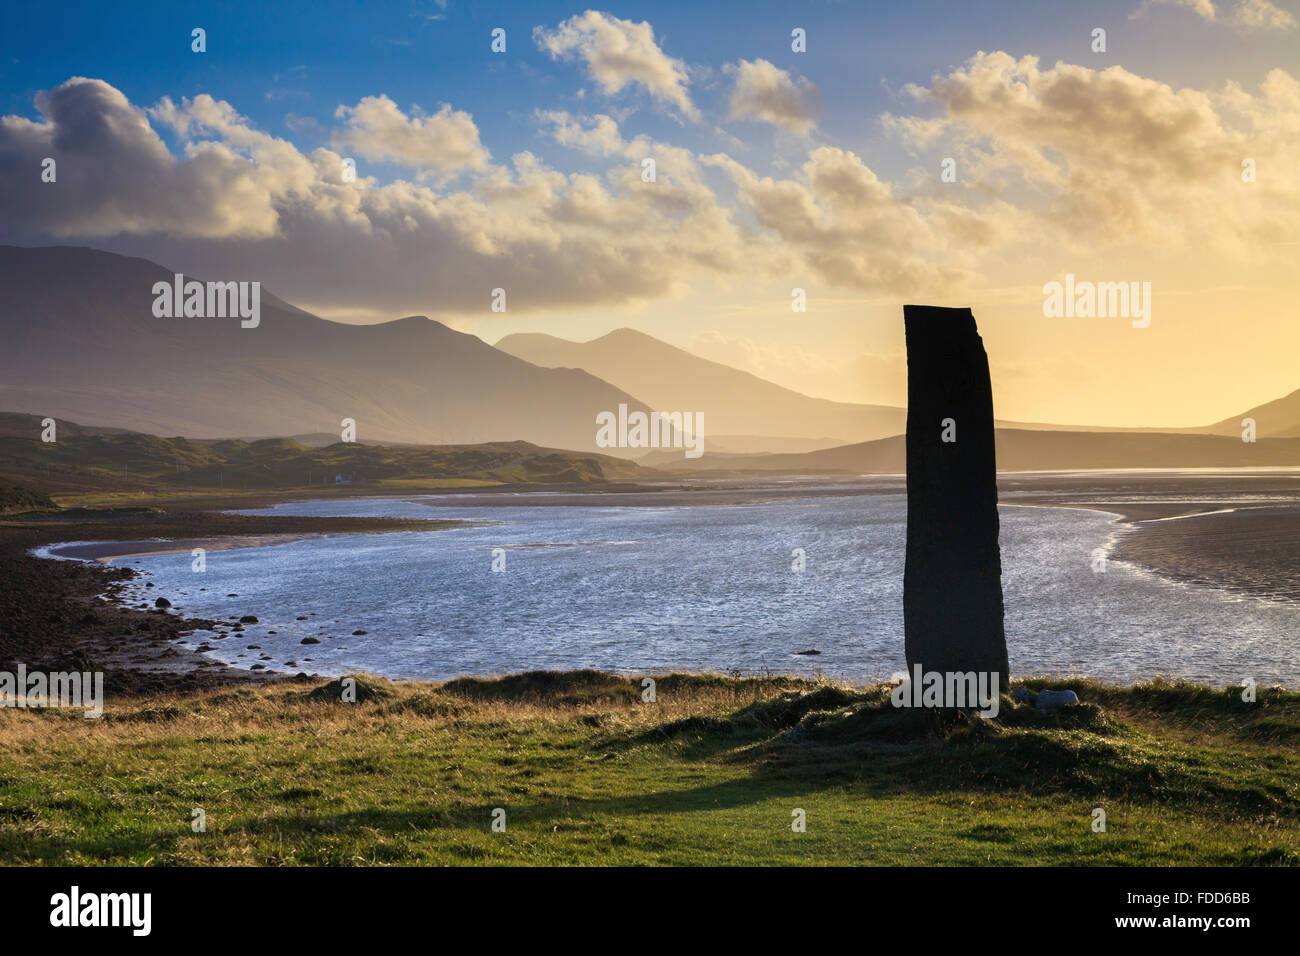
(1122, 165)
(272, 61)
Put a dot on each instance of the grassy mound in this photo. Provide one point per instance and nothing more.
(583, 687)
(356, 688)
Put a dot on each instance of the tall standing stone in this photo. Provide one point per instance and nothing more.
(952, 583)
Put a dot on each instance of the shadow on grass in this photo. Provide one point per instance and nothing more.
(831, 736)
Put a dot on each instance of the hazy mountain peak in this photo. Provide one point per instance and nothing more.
(633, 336)
(99, 354)
(531, 337)
(734, 402)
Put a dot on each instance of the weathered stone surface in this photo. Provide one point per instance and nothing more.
(952, 583)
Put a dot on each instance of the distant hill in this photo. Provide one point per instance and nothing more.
(1022, 450)
(21, 425)
(85, 460)
(738, 403)
(1276, 419)
(734, 403)
(81, 342)
(24, 425)
(751, 444)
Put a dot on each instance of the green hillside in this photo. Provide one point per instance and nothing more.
(82, 463)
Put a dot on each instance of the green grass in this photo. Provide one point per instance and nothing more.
(421, 484)
(708, 774)
(24, 499)
(96, 468)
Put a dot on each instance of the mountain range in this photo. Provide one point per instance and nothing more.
(81, 342)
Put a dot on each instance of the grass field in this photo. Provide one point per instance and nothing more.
(710, 773)
(177, 499)
(83, 469)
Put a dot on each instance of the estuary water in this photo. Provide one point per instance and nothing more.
(650, 589)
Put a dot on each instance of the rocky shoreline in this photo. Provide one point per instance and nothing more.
(64, 615)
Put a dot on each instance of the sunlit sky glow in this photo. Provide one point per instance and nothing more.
(775, 169)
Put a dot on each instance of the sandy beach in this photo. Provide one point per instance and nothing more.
(1236, 530)
(106, 552)
(1253, 550)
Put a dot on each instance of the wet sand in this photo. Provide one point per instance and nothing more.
(1254, 550)
(1239, 531)
(106, 552)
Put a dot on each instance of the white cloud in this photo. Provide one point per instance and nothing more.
(620, 53)
(1106, 155)
(599, 137)
(1066, 157)
(845, 223)
(1246, 16)
(766, 93)
(445, 142)
(115, 174)
(1252, 15)
(1202, 8)
(240, 202)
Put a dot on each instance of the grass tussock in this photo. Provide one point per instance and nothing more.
(590, 771)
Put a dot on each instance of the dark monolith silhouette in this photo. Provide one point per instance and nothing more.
(952, 583)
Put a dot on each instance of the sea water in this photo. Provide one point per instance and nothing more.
(656, 588)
